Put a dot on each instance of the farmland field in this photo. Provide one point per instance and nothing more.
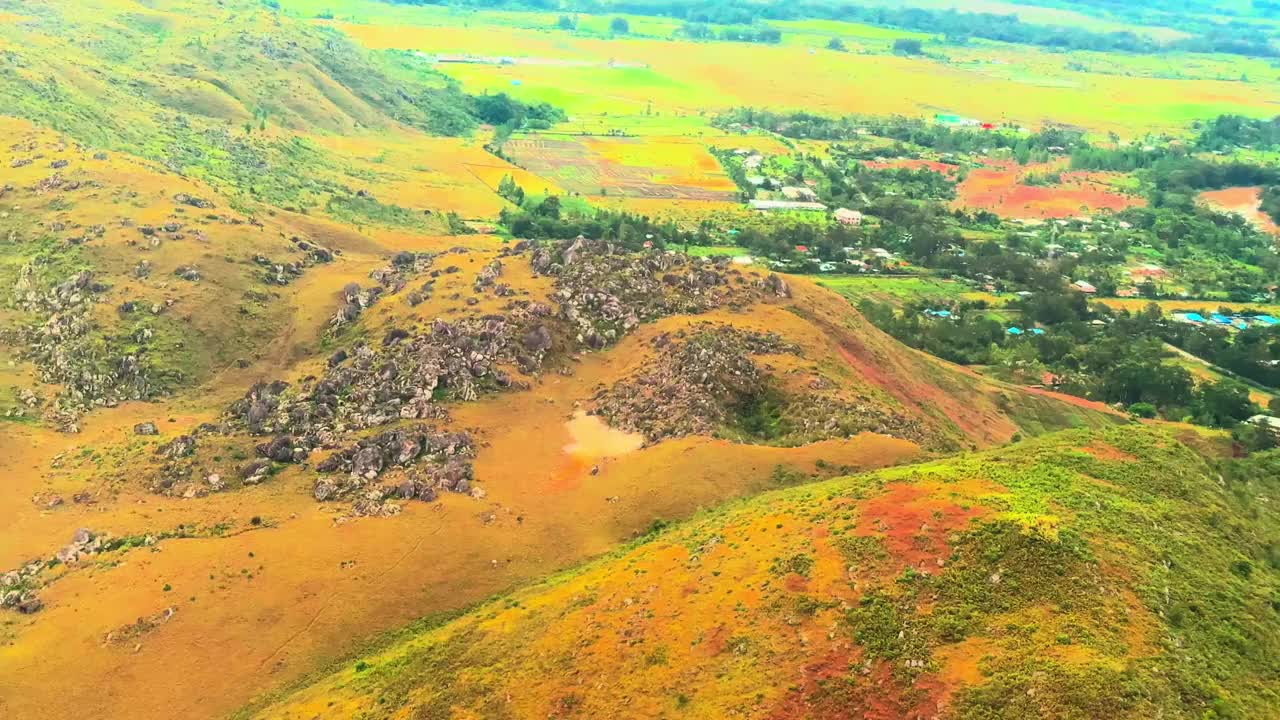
(668, 77)
(1002, 190)
(1204, 307)
(899, 290)
(1243, 201)
(651, 168)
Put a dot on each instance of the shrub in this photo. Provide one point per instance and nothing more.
(1142, 410)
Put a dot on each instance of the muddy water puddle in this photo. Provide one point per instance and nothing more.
(593, 439)
(592, 442)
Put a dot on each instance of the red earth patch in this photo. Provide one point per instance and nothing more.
(999, 189)
(1244, 201)
(913, 524)
(1103, 451)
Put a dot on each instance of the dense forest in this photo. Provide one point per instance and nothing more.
(1228, 132)
(1091, 351)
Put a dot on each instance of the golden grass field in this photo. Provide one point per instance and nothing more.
(307, 585)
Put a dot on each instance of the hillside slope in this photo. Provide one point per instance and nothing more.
(1111, 574)
(228, 92)
(364, 468)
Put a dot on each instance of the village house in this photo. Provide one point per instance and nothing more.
(786, 205)
(1268, 423)
(1148, 272)
(803, 194)
(1084, 287)
(845, 216)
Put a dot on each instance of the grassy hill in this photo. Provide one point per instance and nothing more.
(1112, 574)
(226, 92)
(280, 376)
(795, 388)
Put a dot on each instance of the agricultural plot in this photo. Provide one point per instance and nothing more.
(898, 291)
(685, 213)
(641, 76)
(1204, 307)
(1245, 202)
(909, 164)
(672, 169)
(1004, 191)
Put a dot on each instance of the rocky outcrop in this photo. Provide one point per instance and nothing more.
(278, 273)
(412, 373)
(192, 201)
(694, 385)
(418, 462)
(605, 291)
(404, 378)
(706, 381)
(488, 275)
(283, 449)
(18, 587)
(65, 353)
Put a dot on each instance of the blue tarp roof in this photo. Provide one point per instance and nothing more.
(1220, 318)
(1194, 317)
(1014, 331)
(1037, 331)
(1266, 319)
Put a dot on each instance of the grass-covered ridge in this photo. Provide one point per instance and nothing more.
(231, 92)
(1111, 573)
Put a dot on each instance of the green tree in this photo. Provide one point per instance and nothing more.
(904, 46)
(1253, 438)
(619, 26)
(508, 189)
(566, 23)
(1222, 403)
(550, 207)
(836, 44)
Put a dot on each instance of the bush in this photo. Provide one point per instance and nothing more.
(903, 46)
(619, 26)
(1142, 410)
